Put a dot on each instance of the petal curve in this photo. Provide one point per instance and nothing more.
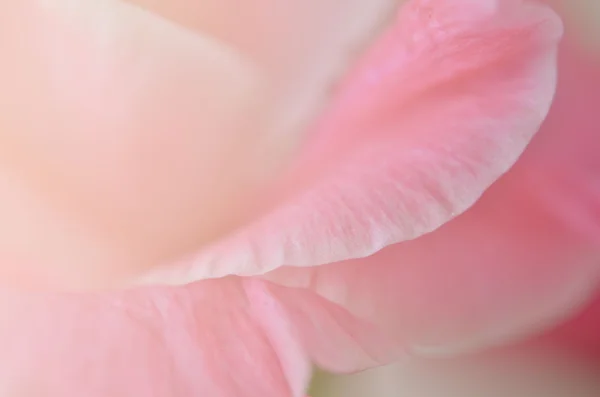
(523, 259)
(439, 109)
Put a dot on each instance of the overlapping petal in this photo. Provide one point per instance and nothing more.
(523, 259)
(230, 337)
(444, 104)
(107, 115)
(207, 339)
(135, 131)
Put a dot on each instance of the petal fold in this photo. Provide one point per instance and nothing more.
(522, 260)
(442, 105)
(228, 337)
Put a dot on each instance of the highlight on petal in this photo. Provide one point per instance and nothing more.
(443, 104)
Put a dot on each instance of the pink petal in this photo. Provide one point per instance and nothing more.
(523, 259)
(208, 339)
(332, 337)
(230, 337)
(580, 334)
(442, 106)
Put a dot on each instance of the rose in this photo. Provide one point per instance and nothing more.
(469, 82)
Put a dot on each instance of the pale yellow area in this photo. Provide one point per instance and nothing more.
(303, 47)
(123, 139)
(134, 133)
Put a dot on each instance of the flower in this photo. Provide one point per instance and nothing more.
(438, 109)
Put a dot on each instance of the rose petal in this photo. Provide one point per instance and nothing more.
(208, 339)
(504, 269)
(293, 41)
(107, 143)
(524, 258)
(440, 108)
(332, 337)
(229, 337)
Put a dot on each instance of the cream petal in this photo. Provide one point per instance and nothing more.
(305, 46)
(124, 139)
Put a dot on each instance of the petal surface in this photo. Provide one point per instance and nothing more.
(93, 95)
(442, 105)
(229, 337)
(136, 132)
(292, 41)
(211, 339)
(523, 259)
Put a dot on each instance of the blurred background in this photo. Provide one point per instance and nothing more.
(538, 371)
(525, 373)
